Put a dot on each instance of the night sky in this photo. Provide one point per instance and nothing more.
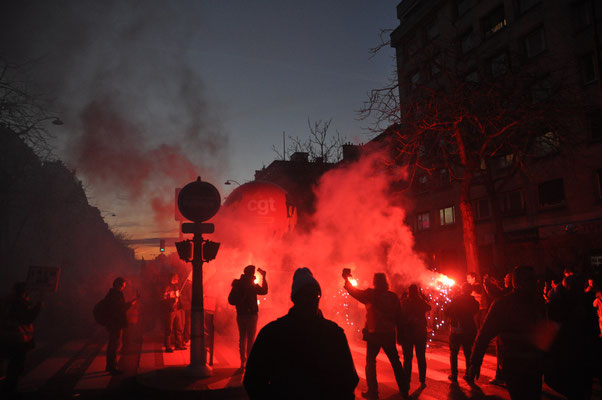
(153, 93)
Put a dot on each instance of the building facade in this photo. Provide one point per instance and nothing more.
(551, 210)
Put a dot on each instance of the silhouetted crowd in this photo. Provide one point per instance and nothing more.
(549, 335)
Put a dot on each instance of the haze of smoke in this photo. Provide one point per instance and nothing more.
(123, 66)
(358, 224)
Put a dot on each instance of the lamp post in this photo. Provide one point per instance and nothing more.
(231, 181)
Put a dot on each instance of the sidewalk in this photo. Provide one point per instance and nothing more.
(169, 372)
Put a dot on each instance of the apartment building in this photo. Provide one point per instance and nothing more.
(551, 211)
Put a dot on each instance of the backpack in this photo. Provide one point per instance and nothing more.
(102, 313)
(235, 296)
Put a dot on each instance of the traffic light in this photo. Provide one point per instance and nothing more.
(162, 245)
(210, 250)
(184, 249)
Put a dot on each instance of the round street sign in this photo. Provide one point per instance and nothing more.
(199, 201)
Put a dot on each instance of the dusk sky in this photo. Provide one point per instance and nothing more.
(153, 93)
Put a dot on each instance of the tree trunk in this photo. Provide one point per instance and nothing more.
(468, 229)
(466, 211)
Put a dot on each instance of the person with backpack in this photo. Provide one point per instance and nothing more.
(243, 295)
(383, 319)
(112, 311)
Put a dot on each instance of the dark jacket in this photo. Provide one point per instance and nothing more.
(118, 308)
(413, 310)
(17, 320)
(383, 310)
(300, 357)
(516, 320)
(244, 293)
(461, 312)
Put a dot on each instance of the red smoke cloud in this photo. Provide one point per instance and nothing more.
(113, 153)
(358, 224)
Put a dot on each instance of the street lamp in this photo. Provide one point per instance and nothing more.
(231, 181)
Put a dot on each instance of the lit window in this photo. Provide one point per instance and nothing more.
(447, 216)
(423, 221)
(535, 43)
(494, 22)
(551, 193)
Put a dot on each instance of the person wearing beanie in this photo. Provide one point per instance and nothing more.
(243, 295)
(383, 319)
(301, 355)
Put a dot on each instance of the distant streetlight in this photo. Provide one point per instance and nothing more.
(231, 181)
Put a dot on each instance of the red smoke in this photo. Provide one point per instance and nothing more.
(113, 153)
(358, 224)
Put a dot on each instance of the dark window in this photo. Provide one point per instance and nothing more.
(422, 183)
(423, 221)
(447, 216)
(467, 42)
(513, 202)
(472, 77)
(494, 21)
(444, 177)
(482, 209)
(588, 68)
(546, 144)
(524, 5)
(595, 124)
(541, 90)
(432, 30)
(551, 193)
(582, 17)
(535, 43)
(499, 65)
(462, 6)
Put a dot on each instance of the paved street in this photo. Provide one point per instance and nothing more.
(75, 369)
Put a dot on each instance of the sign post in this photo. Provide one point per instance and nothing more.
(198, 201)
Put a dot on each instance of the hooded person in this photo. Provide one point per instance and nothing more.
(301, 355)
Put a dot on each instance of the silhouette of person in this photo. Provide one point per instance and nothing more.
(117, 307)
(574, 355)
(383, 318)
(413, 309)
(301, 355)
(172, 311)
(17, 333)
(461, 311)
(243, 295)
(516, 319)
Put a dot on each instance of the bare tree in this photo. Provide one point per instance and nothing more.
(468, 125)
(22, 110)
(320, 145)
